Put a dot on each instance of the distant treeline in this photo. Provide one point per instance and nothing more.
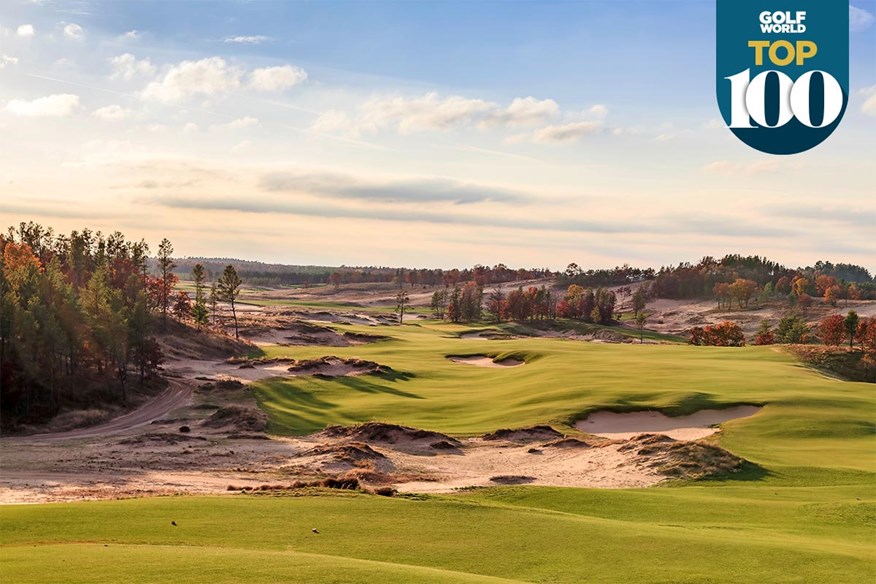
(704, 279)
(261, 274)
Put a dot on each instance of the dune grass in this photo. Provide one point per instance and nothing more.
(806, 513)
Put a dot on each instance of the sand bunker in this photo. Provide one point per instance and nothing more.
(482, 361)
(692, 427)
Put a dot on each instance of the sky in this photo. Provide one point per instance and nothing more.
(427, 134)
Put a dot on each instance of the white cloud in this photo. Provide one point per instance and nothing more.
(127, 66)
(7, 60)
(131, 35)
(566, 132)
(211, 76)
(247, 40)
(58, 105)
(869, 105)
(598, 111)
(859, 19)
(332, 121)
(429, 112)
(111, 113)
(74, 31)
(276, 78)
(25, 30)
(190, 128)
(525, 111)
(245, 122)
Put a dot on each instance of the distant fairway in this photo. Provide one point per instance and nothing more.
(809, 514)
(809, 419)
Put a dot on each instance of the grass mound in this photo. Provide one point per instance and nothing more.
(683, 460)
(387, 433)
(238, 417)
(529, 434)
(353, 452)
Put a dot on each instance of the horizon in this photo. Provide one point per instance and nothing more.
(291, 134)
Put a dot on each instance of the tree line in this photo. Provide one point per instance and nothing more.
(79, 315)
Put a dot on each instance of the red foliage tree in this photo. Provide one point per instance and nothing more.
(832, 329)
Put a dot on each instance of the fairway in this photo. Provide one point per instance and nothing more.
(804, 512)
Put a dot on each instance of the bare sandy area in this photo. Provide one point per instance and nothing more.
(693, 427)
(480, 361)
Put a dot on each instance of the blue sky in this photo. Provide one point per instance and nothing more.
(414, 133)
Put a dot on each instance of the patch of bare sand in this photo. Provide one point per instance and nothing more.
(482, 361)
(484, 463)
(623, 426)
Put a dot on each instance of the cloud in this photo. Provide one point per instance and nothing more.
(525, 111)
(127, 66)
(245, 122)
(131, 35)
(58, 105)
(111, 113)
(859, 19)
(566, 132)
(869, 105)
(25, 30)
(7, 60)
(428, 190)
(433, 112)
(74, 31)
(728, 168)
(276, 78)
(332, 121)
(247, 40)
(598, 111)
(211, 76)
(190, 128)
(429, 112)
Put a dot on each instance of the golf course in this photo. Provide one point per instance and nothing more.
(802, 509)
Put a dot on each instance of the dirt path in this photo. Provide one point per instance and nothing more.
(177, 394)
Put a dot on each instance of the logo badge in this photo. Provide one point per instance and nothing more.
(782, 71)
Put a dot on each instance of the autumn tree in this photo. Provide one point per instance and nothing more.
(182, 306)
(765, 334)
(832, 329)
(496, 304)
(228, 289)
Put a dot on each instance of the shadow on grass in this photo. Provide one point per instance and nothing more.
(748, 473)
(365, 385)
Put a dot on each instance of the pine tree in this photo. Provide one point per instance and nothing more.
(199, 309)
(168, 278)
(228, 290)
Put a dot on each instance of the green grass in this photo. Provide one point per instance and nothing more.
(806, 513)
(691, 535)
